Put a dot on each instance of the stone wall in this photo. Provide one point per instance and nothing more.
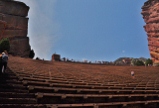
(150, 12)
(56, 57)
(14, 25)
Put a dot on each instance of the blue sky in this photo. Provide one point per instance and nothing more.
(87, 29)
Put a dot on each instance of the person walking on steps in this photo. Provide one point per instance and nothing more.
(4, 62)
(132, 74)
(0, 63)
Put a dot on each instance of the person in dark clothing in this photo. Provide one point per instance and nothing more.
(4, 61)
(0, 63)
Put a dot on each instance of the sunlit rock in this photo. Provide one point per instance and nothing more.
(150, 12)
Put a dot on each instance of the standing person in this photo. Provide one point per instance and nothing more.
(4, 61)
(5, 51)
(0, 63)
(132, 74)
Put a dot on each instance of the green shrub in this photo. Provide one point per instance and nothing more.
(32, 54)
(149, 61)
(139, 63)
(4, 45)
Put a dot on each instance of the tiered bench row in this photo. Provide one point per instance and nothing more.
(71, 85)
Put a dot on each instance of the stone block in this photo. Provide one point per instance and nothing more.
(13, 33)
(20, 46)
(16, 22)
(14, 8)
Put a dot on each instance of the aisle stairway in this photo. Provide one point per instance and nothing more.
(14, 95)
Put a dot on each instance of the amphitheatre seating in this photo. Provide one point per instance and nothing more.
(75, 85)
(140, 104)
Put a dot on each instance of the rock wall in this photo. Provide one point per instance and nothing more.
(14, 25)
(150, 12)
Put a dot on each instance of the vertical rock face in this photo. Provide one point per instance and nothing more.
(150, 12)
(14, 25)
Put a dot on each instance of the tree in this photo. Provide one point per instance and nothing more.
(149, 61)
(37, 58)
(4, 45)
(32, 54)
(139, 63)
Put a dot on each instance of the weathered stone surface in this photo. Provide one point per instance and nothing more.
(19, 46)
(16, 21)
(2, 28)
(12, 33)
(150, 12)
(14, 25)
(11, 7)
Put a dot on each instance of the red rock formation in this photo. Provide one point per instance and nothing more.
(14, 25)
(150, 12)
(2, 27)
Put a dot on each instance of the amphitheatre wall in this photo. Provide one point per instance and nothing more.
(150, 12)
(14, 25)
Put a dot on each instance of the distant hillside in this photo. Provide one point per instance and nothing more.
(130, 61)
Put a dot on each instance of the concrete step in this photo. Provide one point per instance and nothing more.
(11, 81)
(132, 104)
(22, 106)
(52, 98)
(17, 100)
(6, 76)
(12, 86)
(16, 95)
(13, 90)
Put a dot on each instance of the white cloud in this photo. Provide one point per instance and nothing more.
(42, 29)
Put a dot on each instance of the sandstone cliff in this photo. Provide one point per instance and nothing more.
(150, 12)
(14, 25)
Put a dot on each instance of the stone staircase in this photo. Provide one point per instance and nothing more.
(14, 95)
